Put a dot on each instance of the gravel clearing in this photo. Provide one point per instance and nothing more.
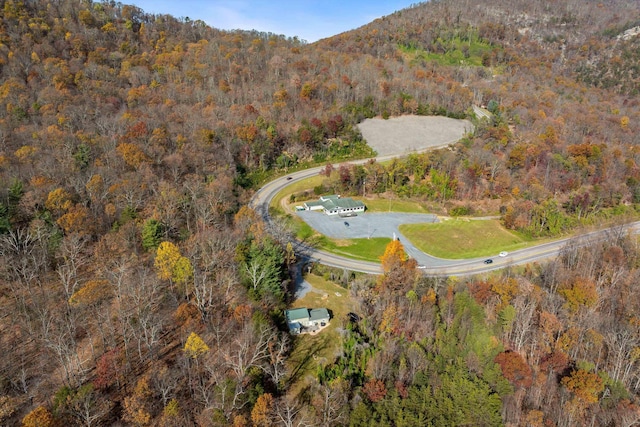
(405, 134)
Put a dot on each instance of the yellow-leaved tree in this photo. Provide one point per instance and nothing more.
(582, 292)
(136, 406)
(182, 271)
(195, 346)
(167, 257)
(171, 414)
(586, 386)
(171, 265)
(58, 201)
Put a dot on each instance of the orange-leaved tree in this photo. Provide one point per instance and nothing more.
(394, 255)
(514, 368)
(586, 386)
(375, 390)
(399, 271)
(262, 412)
(39, 417)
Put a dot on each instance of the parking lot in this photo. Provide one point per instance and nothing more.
(367, 225)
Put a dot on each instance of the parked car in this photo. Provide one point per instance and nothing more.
(346, 224)
(488, 261)
(503, 253)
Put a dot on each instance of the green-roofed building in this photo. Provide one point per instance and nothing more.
(318, 315)
(336, 205)
(304, 320)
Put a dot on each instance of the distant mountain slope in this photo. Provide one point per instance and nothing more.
(579, 36)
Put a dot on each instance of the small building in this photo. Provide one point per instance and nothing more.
(318, 317)
(301, 320)
(336, 205)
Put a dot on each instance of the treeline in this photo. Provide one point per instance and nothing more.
(551, 344)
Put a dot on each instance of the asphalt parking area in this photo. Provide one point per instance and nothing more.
(365, 225)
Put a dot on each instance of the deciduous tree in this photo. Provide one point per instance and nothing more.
(39, 417)
(514, 368)
(586, 386)
(195, 347)
(262, 412)
(375, 390)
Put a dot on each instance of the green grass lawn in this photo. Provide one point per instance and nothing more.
(362, 249)
(388, 205)
(311, 351)
(459, 238)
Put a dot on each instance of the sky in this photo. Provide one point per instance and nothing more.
(309, 20)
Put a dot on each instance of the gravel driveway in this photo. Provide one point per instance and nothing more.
(367, 225)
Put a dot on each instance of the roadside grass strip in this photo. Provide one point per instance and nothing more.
(360, 249)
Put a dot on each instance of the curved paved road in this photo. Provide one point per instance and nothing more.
(429, 265)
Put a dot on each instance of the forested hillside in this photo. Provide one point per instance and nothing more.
(137, 287)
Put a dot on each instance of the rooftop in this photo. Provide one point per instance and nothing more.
(318, 314)
(296, 314)
(335, 201)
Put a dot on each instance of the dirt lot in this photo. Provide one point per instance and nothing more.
(405, 134)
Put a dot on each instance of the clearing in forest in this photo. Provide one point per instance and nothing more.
(406, 134)
(311, 351)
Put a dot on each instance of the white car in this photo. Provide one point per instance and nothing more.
(503, 253)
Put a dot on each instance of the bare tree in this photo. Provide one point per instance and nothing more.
(24, 257)
(330, 402)
(256, 272)
(291, 413)
(620, 345)
(276, 367)
(523, 322)
(249, 348)
(119, 273)
(144, 295)
(214, 278)
(164, 382)
(88, 408)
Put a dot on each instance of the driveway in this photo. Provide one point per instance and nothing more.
(367, 225)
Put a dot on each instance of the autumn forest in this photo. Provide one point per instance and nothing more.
(138, 288)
